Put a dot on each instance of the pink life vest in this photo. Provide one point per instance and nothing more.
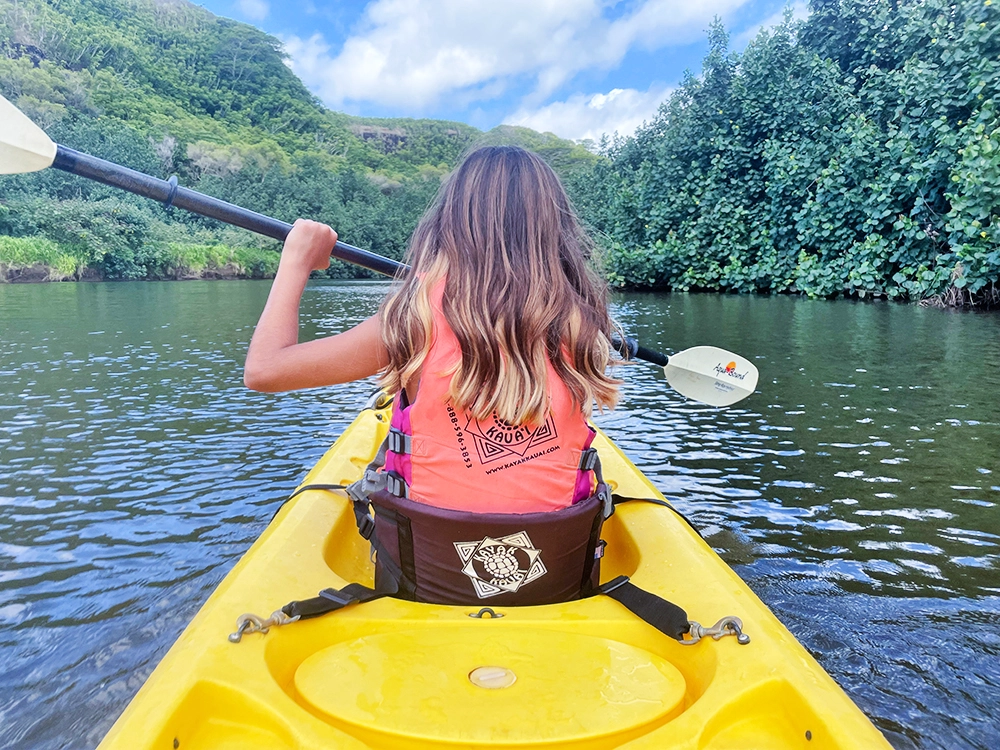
(448, 459)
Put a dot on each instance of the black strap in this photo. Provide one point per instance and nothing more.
(399, 581)
(619, 499)
(362, 517)
(330, 600)
(665, 616)
(306, 488)
(172, 182)
(586, 587)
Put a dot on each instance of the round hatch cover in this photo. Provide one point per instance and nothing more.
(420, 684)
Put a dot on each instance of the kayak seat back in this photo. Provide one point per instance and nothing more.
(440, 556)
(350, 557)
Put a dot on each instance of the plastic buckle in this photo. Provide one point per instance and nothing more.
(373, 481)
(604, 495)
(588, 460)
(396, 485)
(338, 597)
(613, 584)
(398, 442)
(356, 492)
(366, 525)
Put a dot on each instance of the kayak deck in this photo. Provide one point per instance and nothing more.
(397, 674)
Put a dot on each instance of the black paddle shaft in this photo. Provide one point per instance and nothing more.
(169, 193)
(630, 349)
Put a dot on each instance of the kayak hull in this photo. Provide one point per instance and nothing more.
(396, 674)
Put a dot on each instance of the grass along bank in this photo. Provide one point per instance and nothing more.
(32, 259)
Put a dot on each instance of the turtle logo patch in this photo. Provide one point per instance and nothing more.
(500, 565)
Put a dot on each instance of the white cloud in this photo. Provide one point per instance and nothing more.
(592, 115)
(413, 53)
(255, 10)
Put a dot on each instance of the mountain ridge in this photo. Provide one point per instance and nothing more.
(166, 87)
(172, 69)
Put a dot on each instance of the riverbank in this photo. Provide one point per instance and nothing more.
(37, 259)
(40, 273)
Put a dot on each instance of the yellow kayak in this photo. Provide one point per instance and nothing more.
(397, 674)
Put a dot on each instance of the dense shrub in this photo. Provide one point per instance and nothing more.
(855, 153)
(111, 236)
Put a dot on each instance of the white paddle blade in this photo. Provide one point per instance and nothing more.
(24, 147)
(711, 375)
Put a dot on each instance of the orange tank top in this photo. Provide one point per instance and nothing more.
(486, 465)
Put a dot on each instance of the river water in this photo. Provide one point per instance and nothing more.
(856, 491)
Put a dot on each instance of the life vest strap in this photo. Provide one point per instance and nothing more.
(373, 480)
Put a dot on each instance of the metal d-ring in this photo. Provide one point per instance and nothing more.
(486, 613)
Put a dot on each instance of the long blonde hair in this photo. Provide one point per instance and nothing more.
(518, 292)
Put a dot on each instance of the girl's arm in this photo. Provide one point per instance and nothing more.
(276, 361)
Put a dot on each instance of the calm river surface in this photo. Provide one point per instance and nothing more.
(856, 491)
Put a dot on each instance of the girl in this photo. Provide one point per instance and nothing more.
(496, 343)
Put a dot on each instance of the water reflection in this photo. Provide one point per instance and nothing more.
(855, 492)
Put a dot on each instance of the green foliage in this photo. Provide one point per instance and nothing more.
(856, 153)
(184, 260)
(26, 252)
(110, 235)
(173, 260)
(166, 87)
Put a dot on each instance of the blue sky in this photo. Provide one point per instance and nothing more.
(577, 68)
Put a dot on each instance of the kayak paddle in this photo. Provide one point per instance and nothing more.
(703, 373)
(24, 147)
(707, 374)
